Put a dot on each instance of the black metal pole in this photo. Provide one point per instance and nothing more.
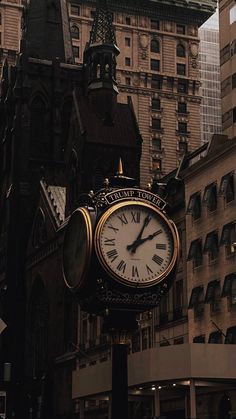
(119, 404)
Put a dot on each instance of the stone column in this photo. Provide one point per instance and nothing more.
(193, 409)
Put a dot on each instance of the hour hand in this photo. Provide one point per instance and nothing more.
(140, 241)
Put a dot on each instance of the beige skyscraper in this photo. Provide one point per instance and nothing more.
(158, 69)
(10, 29)
(227, 13)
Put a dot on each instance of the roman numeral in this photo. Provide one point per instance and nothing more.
(123, 219)
(135, 271)
(157, 259)
(109, 242)
(135, 217)
(161, 246)
(112, 254)
(121, 266)
(149, 271)
(113, 228)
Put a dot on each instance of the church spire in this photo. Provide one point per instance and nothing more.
(100, 64)
(47, 32)
(102, 30)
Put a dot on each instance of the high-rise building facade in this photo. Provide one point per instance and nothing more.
(158, 69)
(10, 29)
(209, 66)
(227, 19)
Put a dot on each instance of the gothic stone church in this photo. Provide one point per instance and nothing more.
(62, 132)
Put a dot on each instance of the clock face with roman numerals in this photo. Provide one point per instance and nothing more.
(136, 244)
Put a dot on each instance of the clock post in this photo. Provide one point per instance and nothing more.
(119, 259)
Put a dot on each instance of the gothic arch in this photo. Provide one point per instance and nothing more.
(155, 46)
(75, 32)
(180, 50)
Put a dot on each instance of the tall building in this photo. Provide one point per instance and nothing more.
(209, 66)
(10, 29)
(158, 68)
(227, 19)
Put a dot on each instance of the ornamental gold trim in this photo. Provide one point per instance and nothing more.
(107, 268)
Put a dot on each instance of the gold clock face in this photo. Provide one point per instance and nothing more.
(77, 248)
(136, 244)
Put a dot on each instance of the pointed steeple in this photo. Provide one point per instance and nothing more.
(100, 64)
(102, 30)
(47, 32)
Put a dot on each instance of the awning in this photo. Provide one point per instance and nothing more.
(227, 186)
(215, 337)
(194, 204)
(211, 291)
(197, 292)
(228, 285)
(211, 242)
(195, 249)
(231, 335)
(228, 234)
(210, 196)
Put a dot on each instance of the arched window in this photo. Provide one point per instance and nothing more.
(180, 50)
(155, 45)
(75, 33)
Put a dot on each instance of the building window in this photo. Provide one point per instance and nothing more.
(156, 165)
(196, 297)
(181, 69)
(210, 197)
(195, 252)
(75, 10)
(182, 107)
(215, 337)
(155, 46)
(232, 15)
(156, 104)
(228, 238)
(234, 81)
(156, 124)
(211, 245)
(76, 51)
(213, 293)
(146, 338)
(227, 187)
(127, 61)
(231, 335)
(128, 20)
(92, 13)
(75, 33)
(182, 86)
(155, 24)
(199, 339)
(136, 342)
(229, 288)
(156, 82)
(156, 144)
(180, 29)
(183, 147)
(182, 128)
(194, 206)
(180, 50)
(155, 65)
(128, 81)
(127, 42)
(178, 300)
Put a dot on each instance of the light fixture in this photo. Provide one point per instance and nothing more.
(159, 387)
(174, 385)
(153, 388)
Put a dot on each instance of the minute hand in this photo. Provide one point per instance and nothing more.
(140, 241)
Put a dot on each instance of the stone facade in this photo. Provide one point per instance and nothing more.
(158, 68)
(10, 29)
(227, 19)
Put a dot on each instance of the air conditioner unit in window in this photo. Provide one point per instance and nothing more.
(233, 247)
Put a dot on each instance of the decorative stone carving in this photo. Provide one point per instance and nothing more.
(143, 41)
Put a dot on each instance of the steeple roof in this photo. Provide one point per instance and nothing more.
(102, 30)
(47, 31)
